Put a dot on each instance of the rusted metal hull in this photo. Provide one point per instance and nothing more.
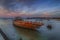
(27, 24)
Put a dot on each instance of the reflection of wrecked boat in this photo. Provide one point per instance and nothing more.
(26, 24)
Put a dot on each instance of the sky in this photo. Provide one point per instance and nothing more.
(30, 8)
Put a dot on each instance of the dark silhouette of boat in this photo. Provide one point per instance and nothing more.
(49, 26)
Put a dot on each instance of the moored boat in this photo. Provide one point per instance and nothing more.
(26, 24)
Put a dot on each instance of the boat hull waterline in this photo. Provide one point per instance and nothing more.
(27, 24)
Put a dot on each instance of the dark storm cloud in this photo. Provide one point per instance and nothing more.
(11, 3)
(26, 4)
(7, 3)
(30, 6)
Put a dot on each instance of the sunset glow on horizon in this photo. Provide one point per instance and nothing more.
(27, 8)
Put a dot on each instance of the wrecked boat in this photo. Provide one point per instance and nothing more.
(26, 24)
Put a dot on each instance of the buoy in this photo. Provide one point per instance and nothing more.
(49, 27)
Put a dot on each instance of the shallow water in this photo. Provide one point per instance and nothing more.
(42, 33)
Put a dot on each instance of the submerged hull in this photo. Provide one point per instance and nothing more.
(27, 24)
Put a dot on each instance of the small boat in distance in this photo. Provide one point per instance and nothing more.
(26, 24)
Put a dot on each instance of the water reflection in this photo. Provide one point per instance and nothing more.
(42, 33)
(8, 29)
(29, 34)
(53, 34)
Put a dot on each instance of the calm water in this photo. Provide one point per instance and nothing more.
(42, 33)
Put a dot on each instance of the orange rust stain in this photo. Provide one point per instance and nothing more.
(27, 24)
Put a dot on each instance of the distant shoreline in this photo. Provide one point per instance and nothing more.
(35, 18)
